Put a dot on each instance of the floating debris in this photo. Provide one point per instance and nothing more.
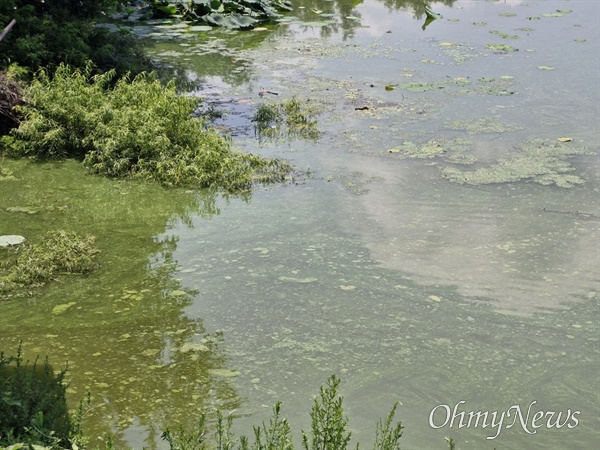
(9, 240)
(59, 309)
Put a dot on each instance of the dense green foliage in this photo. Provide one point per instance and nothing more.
(33, 405)
(34, 264)
(231, 13)
(62, 31)
(137, 128)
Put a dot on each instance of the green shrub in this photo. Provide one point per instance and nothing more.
(328, 427)
(137, 128)
(182, 439)
(33, 406)
(276, 436)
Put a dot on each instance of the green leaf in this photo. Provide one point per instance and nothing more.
(431, 14)
(167, 9)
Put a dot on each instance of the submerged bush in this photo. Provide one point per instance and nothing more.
(34, 264)
(33, 405)
(137, 128)
(286, 120)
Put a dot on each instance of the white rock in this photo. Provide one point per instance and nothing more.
(9, 240)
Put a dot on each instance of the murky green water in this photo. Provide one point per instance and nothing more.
(394, 265)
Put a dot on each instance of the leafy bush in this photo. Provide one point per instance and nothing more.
(328, 420)
(33, 405)
(137, 128)
(35, 264)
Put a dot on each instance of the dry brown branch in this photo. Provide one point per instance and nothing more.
(10, 96)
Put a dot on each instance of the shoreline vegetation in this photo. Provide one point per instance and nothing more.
(92, 95)
(35, 415)
(130, 128)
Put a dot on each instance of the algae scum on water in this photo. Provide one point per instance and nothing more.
(537, 160)
(354, 270)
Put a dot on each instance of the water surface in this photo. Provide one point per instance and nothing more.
(381, 265)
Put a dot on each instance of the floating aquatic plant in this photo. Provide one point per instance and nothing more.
(483, 125)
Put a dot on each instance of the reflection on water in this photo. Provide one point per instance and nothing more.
(124, 337)
(375, 267)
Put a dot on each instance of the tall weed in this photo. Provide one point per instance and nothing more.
(328, 428)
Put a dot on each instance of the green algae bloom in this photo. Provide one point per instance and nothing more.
(537, 160)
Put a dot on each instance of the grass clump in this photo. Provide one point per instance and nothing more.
(34, 264)
(131, 128)
(289, 119)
